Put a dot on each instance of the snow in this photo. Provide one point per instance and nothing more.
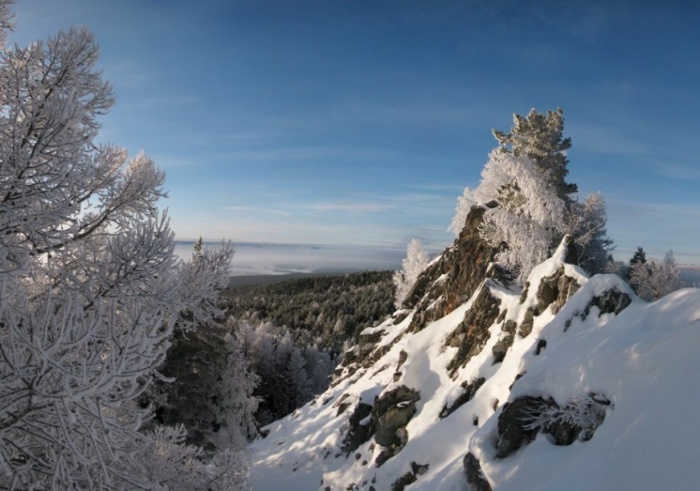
(640, 360)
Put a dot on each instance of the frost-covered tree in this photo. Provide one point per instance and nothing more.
(173, 465)
(238, 405)
(414, 263)
(90, 289)
(464, 204)
(654, 279)
(539, 137)
(210, 392)
(319, 366)
(525, 217)
(529, 204)
(586, 223)
(297, 379)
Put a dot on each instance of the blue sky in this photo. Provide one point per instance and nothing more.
(358, 122)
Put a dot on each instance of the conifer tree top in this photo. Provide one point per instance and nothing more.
(539, 137)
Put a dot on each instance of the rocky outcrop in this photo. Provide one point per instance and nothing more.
(359, 430)
(363, 355)
(410, 477)
(521, 420)
(578, 420)
(390, 415)
(385, 420)
(554, 291)
(466, 396)
(471, 335)
(611, 301)
(506, 341)
(451, 280)
(475, 476)
(515, 427)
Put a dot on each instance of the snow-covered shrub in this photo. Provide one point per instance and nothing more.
(654, 279)
(173, 465)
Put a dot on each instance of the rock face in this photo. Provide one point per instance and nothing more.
(451, 280)
(466, 396)
(390, 415)
(359, 431)
(521, 421)
(515, 424)
(473, 333)
(386, 421)
(363, 355)
(475, 477)
(553, 292)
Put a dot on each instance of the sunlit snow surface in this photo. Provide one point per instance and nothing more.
(645, 361)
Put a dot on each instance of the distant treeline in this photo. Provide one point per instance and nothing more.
(324, 311)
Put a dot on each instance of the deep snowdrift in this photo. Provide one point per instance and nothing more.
(639, 359)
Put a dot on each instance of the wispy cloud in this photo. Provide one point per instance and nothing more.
(353, 207)
(677, 171)
(605, 140)
(255, 209)
(282, 153)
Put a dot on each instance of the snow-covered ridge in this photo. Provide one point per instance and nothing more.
(411, 405)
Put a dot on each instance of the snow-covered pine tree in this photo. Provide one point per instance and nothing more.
(530, 204)
(526, 217)
(539, 137)
(415, 262)
(586, 223)
(238, 405)
(210, 392)
(319, 367)
(90, 289)
(297, 379)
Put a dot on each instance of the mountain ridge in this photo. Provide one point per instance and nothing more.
(483, 388)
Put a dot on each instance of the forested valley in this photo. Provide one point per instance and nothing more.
(276, 349)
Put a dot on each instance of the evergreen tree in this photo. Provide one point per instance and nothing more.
(211, 391)
(297, 379)
(639, 257)
(238, 403)
(529, 203)
(539, 137)
(528, 217)
(587, 226)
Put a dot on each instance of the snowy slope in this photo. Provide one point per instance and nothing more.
(640, 362)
